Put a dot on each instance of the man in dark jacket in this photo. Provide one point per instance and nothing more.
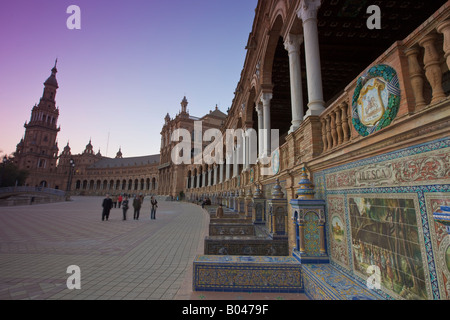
(107, 205)
(137, 207)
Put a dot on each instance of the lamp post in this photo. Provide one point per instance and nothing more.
(69, 181)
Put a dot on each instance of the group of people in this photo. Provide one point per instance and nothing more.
(109, 203)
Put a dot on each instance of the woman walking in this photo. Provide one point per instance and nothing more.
(137, 207)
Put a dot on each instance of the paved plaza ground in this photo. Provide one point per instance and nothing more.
(131, 260)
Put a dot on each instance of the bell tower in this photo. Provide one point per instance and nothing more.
(37, 152)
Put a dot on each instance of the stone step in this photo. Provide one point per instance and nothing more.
(245, 245)
(242, 229)
(247, 273)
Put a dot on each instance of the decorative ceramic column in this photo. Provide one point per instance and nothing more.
(292, 45)
(278, 213)
(309, 217)
(433, 71)
(308, 14)
(416, 76)
(444, 28)
(258, 207)
(265, 99)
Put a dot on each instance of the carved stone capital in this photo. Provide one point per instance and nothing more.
(308, 9)
(293, 42)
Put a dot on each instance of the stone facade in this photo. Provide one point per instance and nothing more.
(372, 131)
(87, 173)
(175, 178)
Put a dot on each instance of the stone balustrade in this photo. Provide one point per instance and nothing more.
(336, 123)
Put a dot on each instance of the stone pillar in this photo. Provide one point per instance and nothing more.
(416, 76)
(221, 172)
(444, 28)
(210, 171)
(308, 14)
(328, 130)
(227, 168)
(203, 178)
(245, 152)
(265, 99)
(235, 161)
(292, 45)
(215, 175)
(344, 122)
(432, 67)
(324, 134)
(259, 110)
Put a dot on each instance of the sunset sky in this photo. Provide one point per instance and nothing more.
(130, 64)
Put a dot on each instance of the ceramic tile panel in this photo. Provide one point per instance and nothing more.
(382, 207)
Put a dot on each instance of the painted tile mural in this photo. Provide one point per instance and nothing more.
(338, 243)
(385, 234)
(442, 239)
(380, 212)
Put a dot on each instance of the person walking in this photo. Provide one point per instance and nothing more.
(124, 207)
(114, 200)
(137, 207)
(107, 205)
(120, 199)
(154, 206)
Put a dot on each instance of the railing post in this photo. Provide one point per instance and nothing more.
(432, 67)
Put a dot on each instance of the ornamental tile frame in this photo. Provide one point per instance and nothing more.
(381, 107)
(433, 243)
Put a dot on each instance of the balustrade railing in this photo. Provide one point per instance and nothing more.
(336, 123)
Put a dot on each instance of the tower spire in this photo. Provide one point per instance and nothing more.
(184, 104)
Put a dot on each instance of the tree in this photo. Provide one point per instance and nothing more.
(10, 174)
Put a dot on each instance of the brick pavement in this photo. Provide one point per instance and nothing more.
(133, 259)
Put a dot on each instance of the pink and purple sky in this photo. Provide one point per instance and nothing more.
(130, 64)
